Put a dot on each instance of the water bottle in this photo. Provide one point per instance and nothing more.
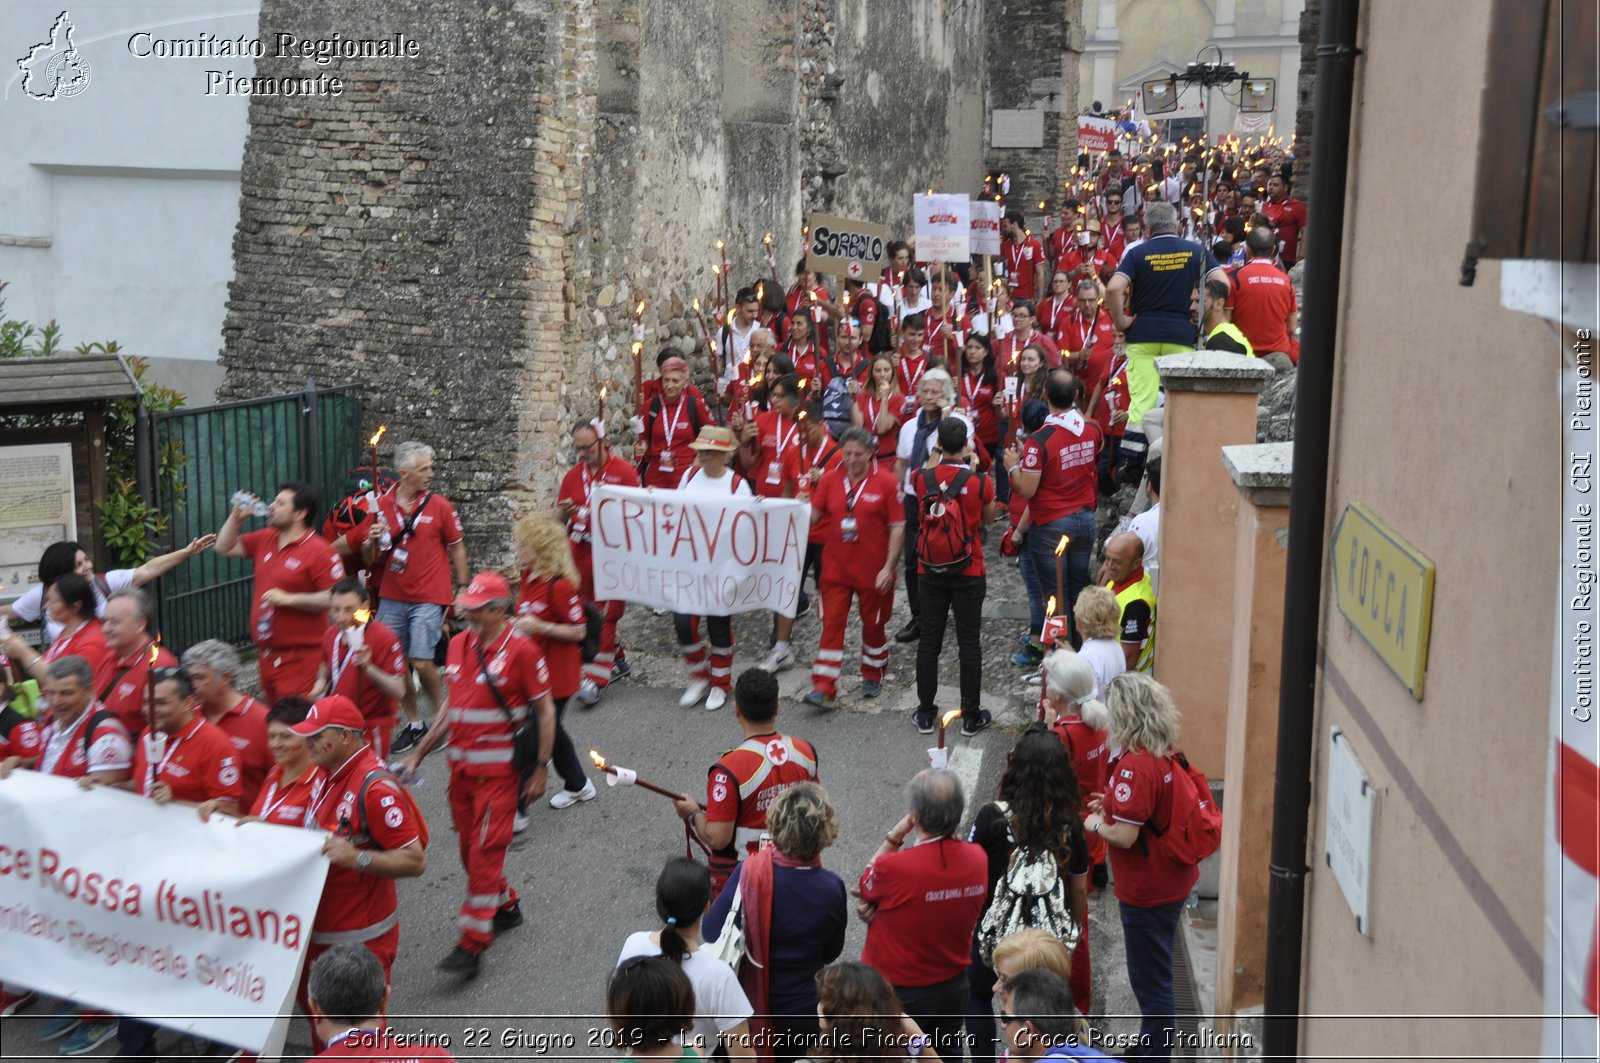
(264, 623)
(245, 499)
(385, 540)
(1193, 900)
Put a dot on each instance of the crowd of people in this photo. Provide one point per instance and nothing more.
(915, 414)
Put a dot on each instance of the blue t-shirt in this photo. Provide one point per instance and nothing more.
(1164, 272)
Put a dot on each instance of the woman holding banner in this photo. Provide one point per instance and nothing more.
(711, 477)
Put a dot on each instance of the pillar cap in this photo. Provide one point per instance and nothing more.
(1214, 371)
(1261, 471)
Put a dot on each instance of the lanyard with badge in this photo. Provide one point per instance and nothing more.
(399, 555)
(580, 519)
(268, 804)
(971, 392)
(154, 742)
(775, 466)
(669, 429)
(848, 532)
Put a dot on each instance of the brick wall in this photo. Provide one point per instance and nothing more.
(1033, 49)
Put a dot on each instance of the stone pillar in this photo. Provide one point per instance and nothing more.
(1261, 477)
(1211, 403)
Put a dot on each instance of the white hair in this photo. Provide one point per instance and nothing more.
(763, 332)
(407, 454)
(216, 655)
(1067, 675)
(942, 378)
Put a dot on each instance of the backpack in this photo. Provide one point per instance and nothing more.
(837, 402)
(944, 542)
(345, 515)
(593, 621)
(1194, 830)
(1031, 894)
(361, 836)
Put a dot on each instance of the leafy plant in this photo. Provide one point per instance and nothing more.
(130, 526)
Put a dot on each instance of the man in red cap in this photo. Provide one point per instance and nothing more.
(496, 678)
(669, 422)
(596, 465)
(376, 836)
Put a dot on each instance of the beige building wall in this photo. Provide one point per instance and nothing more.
(1447, 427)
(1130, 40)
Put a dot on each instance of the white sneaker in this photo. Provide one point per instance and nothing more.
(777, 660)
(567, 798)
(696, 691)
(588, 692)
(519, 823)
(716, 699)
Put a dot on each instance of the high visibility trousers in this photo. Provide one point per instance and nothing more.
(598, 671)
(482, 808)
(1144, 382)
(719, 630)
(835, 609)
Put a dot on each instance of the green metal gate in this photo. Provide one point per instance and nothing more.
(254, 445)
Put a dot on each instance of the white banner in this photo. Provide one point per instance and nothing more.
(944, 227)
(194, 926)
(698, 554)
(986, 214)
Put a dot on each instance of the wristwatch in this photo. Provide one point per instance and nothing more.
(364, 860)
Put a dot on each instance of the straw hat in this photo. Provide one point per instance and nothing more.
(715, 437)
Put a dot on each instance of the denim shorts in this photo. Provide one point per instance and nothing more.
(417, 625)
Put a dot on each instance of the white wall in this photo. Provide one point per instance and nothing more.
(133, 183)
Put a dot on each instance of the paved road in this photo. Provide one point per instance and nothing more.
(587, 874)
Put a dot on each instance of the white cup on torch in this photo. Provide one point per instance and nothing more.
(155, 746)
(621, 776)
(938, 758)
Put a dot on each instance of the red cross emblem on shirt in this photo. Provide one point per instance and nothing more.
(777, 752)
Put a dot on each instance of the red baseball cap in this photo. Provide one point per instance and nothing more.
(334, 711)
(485, 587)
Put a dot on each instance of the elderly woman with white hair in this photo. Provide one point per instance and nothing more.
(1134, 809)
(936, 400)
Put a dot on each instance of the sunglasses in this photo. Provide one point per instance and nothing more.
(168, 672)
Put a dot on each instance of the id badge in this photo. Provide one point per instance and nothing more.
(398, 559)
(774, 472)
(666, 462)
(847, 530)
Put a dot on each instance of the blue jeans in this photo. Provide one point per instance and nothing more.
(1042, 542)
(417, 625)
(1030, 583)
(1147, 937)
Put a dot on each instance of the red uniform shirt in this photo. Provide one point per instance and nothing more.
(289, 804)
(347, 678)
(1052, 314)
(744, 781)
(977, 493)
(245, 726)
(1090, 751)
(1116, 243)
(929, 898)
(796, 298)
(88, 642)
(1115, 400)
(376, 1047)
(908, 370)
(351, 900)
(797, 466)
(306, 565)
(775, 436)
(418, 568)
(871, 406)
(1065, 461)
(945, 336)
(1139, 791)
(1289, 216)
(480, 732)
(874, 503)
(668, 433)
(1008, 350)
(74, 751)
(1076, 335)
(578, 485)
(975, 394)
(555, 601)
(649, 389)
(199, 764)
(1021, 260)
(1091, 262)
(1263, 299)
(810, 364)
(19, 736)
(120, 683)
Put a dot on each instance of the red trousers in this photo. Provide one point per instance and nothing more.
(598, 670)
(385, 946)
(834, 609)
(481, 809)
(717, 667)
(291, 670)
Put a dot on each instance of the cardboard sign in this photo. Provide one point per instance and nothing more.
(194, 926)
(845, 247)
(944, 227)
(699, 554)
(1096, 134)
(985, 227)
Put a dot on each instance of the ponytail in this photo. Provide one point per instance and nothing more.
(683, 891)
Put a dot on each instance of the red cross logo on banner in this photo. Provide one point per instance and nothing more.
(1578, 831)
(853, 271)
(777, 752)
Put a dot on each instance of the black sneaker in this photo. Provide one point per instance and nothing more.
(972, 725)
(508, 918)
(462, 961)
(406, 737)
(620, 669)
(924, 721)
(910, 633)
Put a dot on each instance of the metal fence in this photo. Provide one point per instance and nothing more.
(254, 445)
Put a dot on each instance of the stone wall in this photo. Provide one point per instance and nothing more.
(468, 233)
(1305, 97)
(1034, 47)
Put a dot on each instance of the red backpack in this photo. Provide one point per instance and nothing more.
(361, 835)
(944, 542)
(1194, 830)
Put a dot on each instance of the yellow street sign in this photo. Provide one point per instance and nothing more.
(1385, 589)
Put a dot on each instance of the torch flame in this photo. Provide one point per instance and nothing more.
(697, 306)
(602, 393)
(1050, 606)
(949, 718)
(767, 239)
(637, 347)
(1061, 547)
(719, 245)
(599, 761)
(1041, 204)
(382, 428)
(639, 310)
(361, 616)
(155, 651)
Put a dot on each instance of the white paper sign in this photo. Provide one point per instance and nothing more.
(698, 554)
(985, 227)
(944, 227)
(1347, 842)
(199, 927)
(37, 508)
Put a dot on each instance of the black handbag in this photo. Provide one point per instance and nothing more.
(524, 736)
